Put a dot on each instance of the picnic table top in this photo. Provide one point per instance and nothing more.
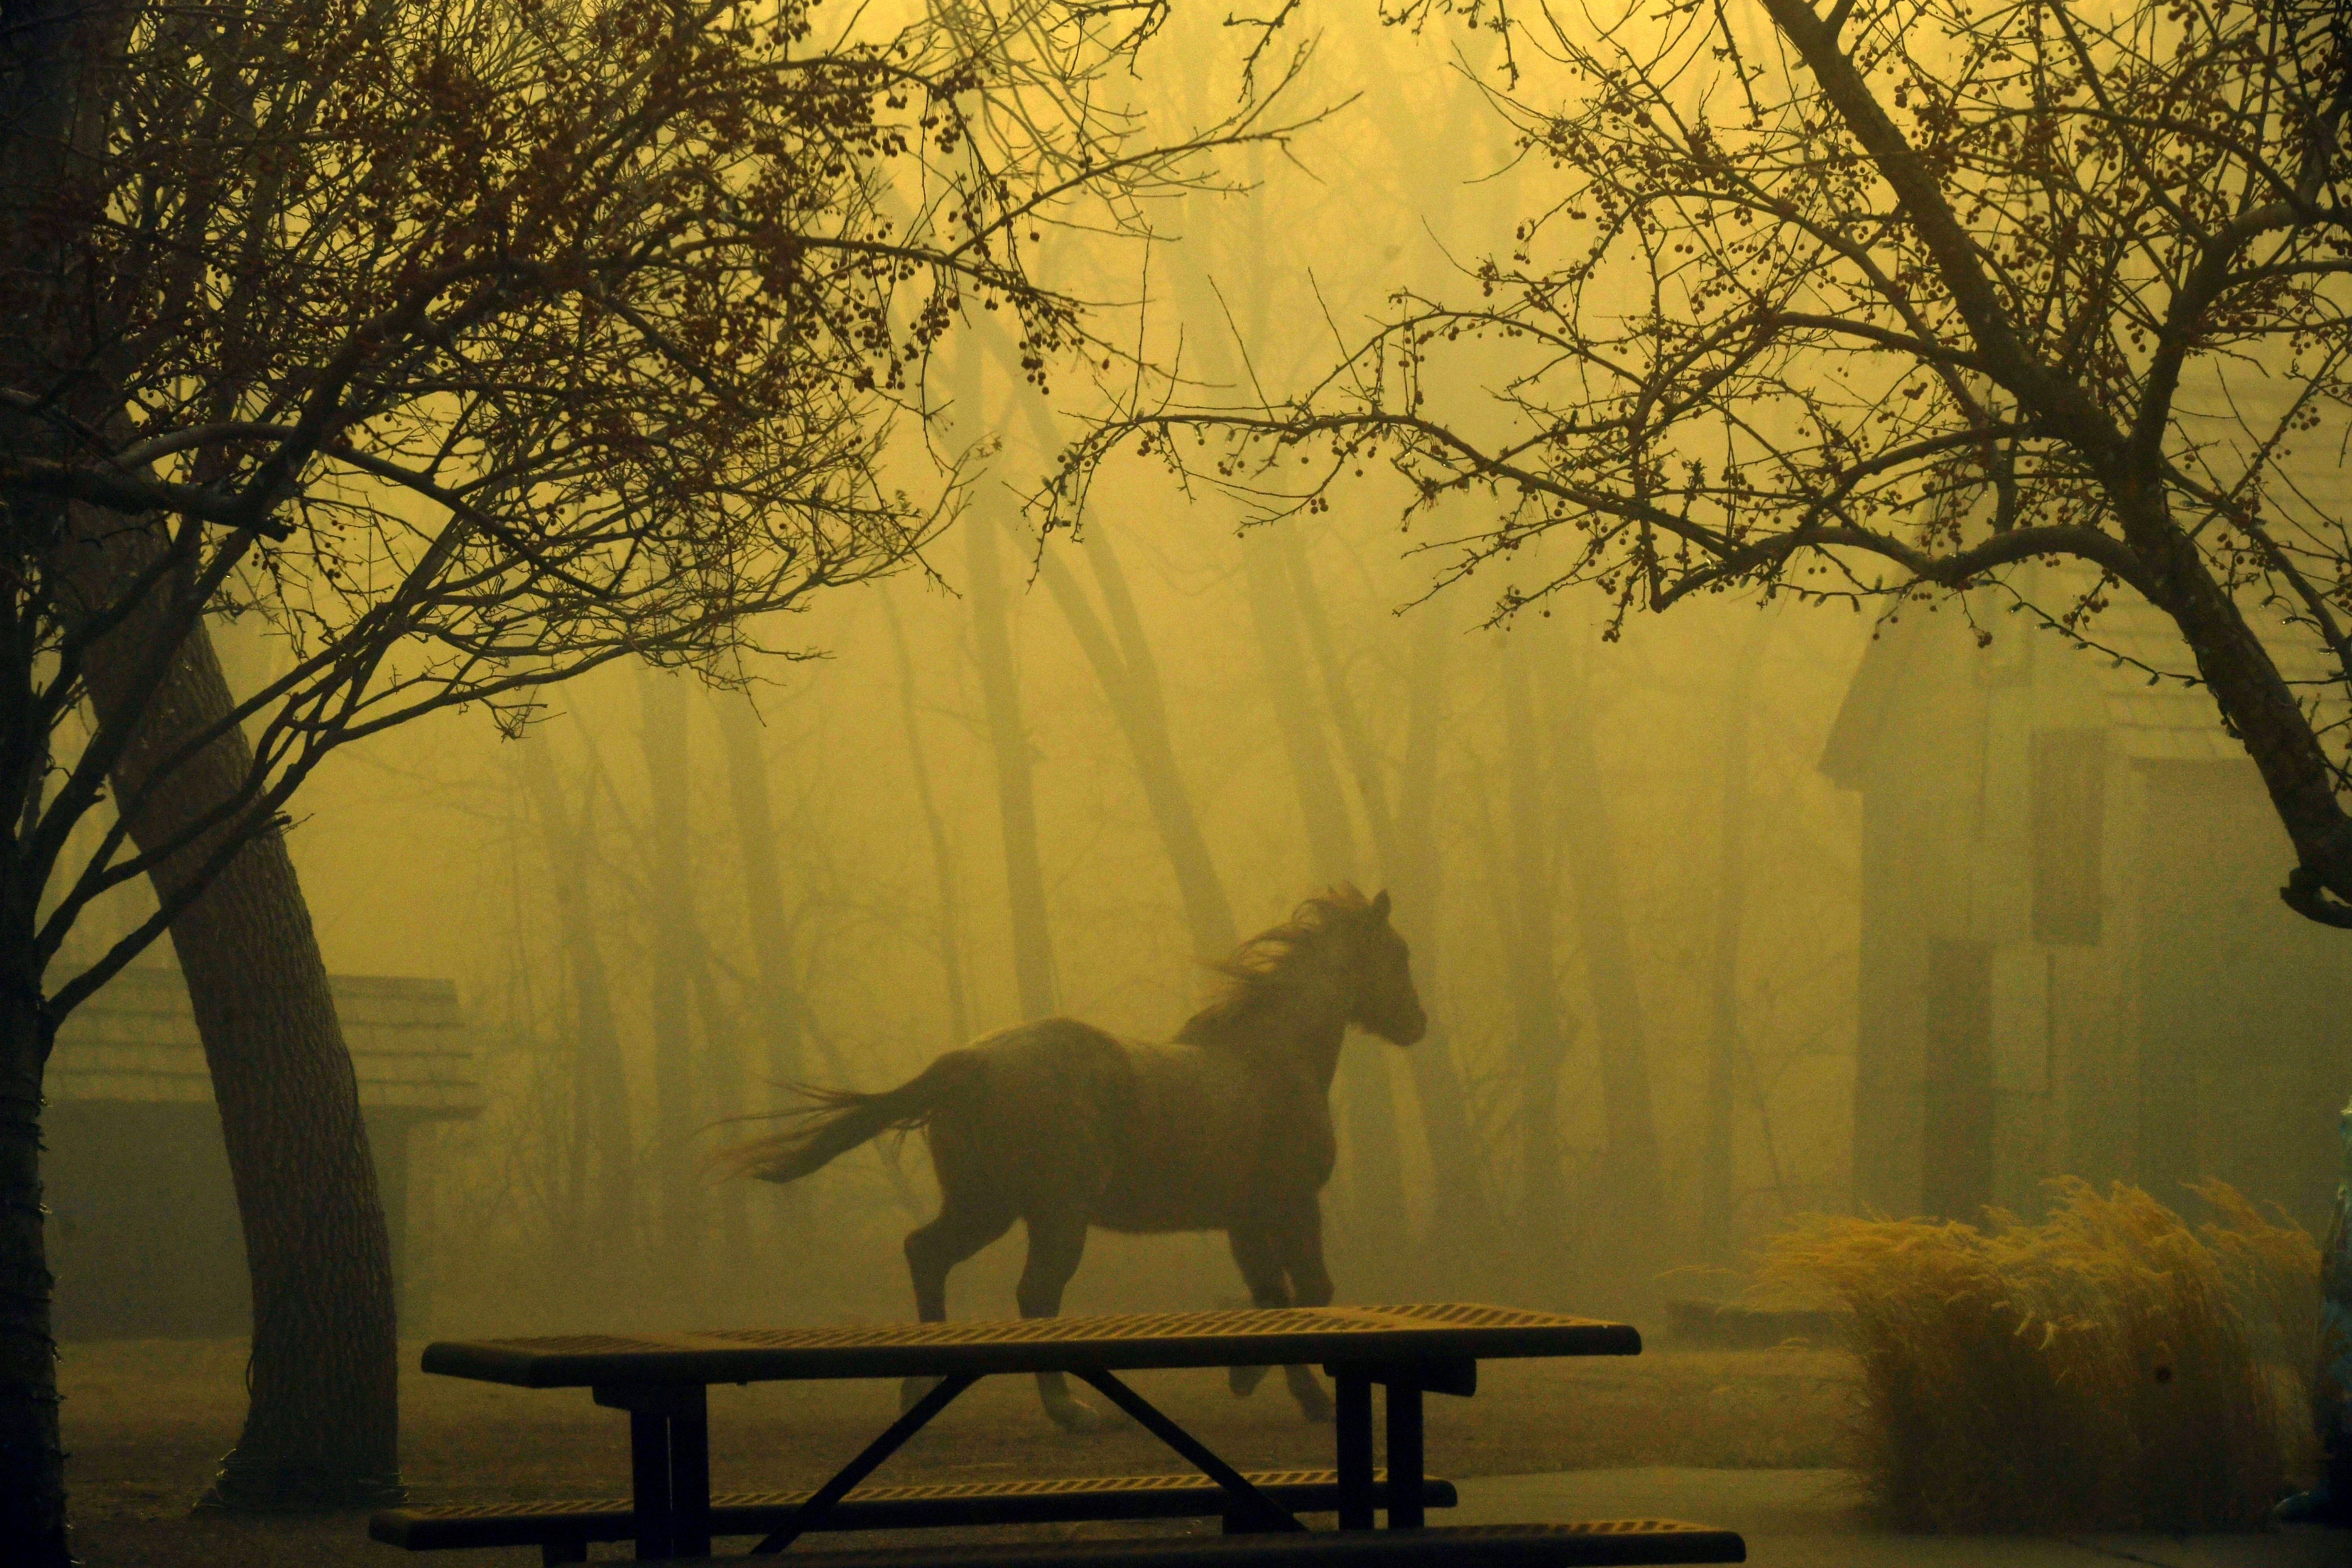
(1360, 1335)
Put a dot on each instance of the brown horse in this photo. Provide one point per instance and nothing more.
(1062, 1126)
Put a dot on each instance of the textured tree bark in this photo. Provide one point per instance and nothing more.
(53, 98)
(670, 960)
(32, 1459)
(322, 1430)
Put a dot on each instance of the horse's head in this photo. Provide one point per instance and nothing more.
(1386, 1003)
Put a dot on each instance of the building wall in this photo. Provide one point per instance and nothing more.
(143, 1234)
(1923, 801)
(2244, 1009)
(2199, 1029)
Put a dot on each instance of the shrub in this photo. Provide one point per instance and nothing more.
(2109, 1367)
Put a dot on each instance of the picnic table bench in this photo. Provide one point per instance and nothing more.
(661, 1382)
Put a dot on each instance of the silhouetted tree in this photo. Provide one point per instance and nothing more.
(474, 346)
(1929, 291)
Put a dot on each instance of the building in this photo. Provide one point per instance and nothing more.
(143, 1231)
(2074, 956)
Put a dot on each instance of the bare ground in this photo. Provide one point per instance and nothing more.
(146, 1422)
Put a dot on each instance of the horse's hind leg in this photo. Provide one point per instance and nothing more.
(1260, 1261)
(1300, 1242)
(960, 1230)
(1056, 1242)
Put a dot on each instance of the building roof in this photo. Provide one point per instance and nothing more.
(2228, 409)
(2132, 641)
(136, 1041)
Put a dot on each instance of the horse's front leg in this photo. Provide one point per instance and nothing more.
(1299, 1243)
(1056, 1242)
(1260, 1261)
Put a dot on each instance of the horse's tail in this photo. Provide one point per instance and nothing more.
(836, 1121)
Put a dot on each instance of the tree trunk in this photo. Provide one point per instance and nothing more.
(1539, 1043)
(1461, 1236)
(32, 1459)
(1322, 810)
(670, 960)
(1365, 1081)
(763, 884)
(1130, 677)
(1631, 1210)
(602, 1200)
(1016, 797)
(322, 1429)
(722, 1061)
(1718, 1203)
(778, 1009)
(943, 859)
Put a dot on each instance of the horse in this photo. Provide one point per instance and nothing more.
(1065, 1127)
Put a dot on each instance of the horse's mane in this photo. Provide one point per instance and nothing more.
(1268, 963)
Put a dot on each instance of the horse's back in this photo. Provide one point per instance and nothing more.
(1143, 1137)
(1051, 1104)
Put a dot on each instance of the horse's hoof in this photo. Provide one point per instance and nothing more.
(1316, 1411)
(1076, 1415)
(1243, 1379)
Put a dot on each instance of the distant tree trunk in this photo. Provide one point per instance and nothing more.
(1123, 663)
(949, 927)
(323, 1428)
(602, 1157)
(1461, 1231)
(671, 957)
(1323, 811)
(1016, 797)
(1718, 1203)
(722, 1062)
(1539, 1043)
(1632, 1210)
(1130, 682)
(1368, 1093)
(1355, 744)
(770, 928)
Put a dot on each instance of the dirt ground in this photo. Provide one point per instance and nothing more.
(146, 1422)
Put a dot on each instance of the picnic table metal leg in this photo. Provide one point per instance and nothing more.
(1352, 1424)
(689, 1474)
(1244, 1502)
(669, 1465)
(1406, 1511)
(649, 1482)
(910, 1421)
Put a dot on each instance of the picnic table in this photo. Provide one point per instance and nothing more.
(661, 1380)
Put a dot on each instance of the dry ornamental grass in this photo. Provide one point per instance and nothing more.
(2109, 1367)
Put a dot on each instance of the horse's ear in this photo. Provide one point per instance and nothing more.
(1381, 905)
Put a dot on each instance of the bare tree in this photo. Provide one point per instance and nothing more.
(1931, 291)
(474, 345)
